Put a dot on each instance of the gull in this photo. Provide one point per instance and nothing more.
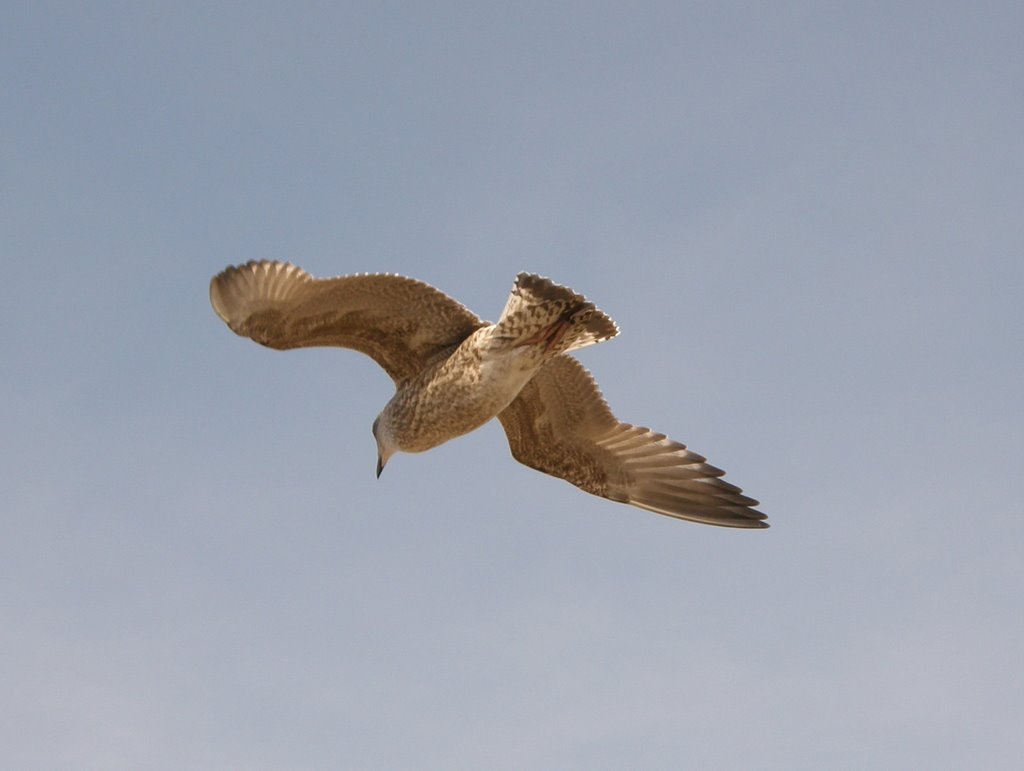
(453, 372)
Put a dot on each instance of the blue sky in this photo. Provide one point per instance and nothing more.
(806, 220)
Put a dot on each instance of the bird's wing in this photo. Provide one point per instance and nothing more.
(561, 425)
(403, 324)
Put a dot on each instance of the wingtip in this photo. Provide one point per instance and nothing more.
(241, 289)
(748, 519)
(215, 298)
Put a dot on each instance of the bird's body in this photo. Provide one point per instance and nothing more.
(490, 367)
(457, 395)
(454, 372)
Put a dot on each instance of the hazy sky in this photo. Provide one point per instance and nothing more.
(807, 220)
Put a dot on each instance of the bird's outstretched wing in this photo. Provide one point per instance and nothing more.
(403, 324)
(561, 425)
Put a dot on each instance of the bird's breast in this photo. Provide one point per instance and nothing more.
(458, 396)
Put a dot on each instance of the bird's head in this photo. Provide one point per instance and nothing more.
(385, 444)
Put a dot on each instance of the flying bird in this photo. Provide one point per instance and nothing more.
(453, 372)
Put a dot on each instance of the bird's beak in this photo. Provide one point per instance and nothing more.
(380, 466)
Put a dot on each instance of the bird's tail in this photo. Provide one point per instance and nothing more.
(543, 313)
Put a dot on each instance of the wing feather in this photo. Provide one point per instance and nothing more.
(560, 424)
(402, 323)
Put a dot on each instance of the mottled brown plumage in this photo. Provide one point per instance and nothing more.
(454, 372)
(561, 425)
(402, 324)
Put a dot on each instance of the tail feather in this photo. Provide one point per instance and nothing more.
(540, 311)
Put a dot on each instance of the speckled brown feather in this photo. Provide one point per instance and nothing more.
(540, 311)
(560, 424)
(403, 324)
